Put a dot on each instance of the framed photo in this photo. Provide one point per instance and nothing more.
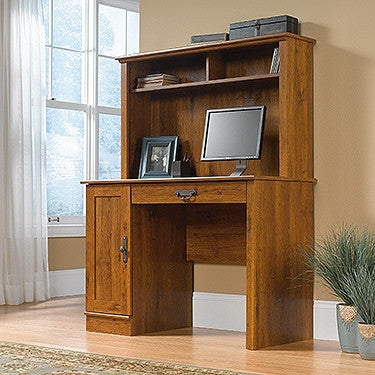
(158, 154)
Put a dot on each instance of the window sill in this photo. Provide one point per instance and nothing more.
(66, 230)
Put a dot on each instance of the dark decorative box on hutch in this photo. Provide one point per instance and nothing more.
(263, 26)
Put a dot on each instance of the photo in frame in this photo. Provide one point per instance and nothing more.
(158, 154)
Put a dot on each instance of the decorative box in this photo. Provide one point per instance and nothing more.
(263, 26)
(218, 37)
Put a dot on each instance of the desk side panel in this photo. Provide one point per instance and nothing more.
(279, 307)
(296, 109)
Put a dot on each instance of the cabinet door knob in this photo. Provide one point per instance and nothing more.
(185, 195)
(124, 249)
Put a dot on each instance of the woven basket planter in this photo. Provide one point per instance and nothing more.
(347, 326)
(366, 341)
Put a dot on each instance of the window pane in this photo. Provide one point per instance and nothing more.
(67, 23)
(46, 7)
(132, 33)
(109, 93)
(109, 147)
(66, 75)
(65, 162)
(111, 32)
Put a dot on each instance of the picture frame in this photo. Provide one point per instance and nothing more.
(158, 154)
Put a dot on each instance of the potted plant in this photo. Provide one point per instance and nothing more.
(361, 285)
(335, 258)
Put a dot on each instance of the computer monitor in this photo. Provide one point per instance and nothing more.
(233, 134)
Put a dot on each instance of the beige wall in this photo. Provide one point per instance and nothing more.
(66, 253)
(344, 99)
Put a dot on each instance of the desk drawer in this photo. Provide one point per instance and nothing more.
(190, 192)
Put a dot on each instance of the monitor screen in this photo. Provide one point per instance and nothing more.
(233, 133)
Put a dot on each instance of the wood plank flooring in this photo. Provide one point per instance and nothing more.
(60, 323)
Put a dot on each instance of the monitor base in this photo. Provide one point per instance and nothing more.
(240, 168)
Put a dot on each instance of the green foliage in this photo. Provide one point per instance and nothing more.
(360, 284)
(338, 258)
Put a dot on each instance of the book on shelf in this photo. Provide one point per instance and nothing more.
(158, 79)
(275, 64)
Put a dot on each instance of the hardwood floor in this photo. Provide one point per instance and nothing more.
(61, 323)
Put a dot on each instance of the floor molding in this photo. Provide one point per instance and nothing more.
(325, 323)
(214, 310)
(67, 282)
(228, 311)
(210, 310)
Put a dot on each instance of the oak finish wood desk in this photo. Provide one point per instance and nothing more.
(259, 222)
(142, 239)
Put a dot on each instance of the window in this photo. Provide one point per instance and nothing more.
(83, 99)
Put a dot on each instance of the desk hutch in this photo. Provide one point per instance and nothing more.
(142, 239)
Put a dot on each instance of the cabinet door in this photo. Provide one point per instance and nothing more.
(108, 274)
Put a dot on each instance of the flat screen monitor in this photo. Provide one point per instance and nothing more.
(233, 134)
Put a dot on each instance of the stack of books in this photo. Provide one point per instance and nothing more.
(159, 79)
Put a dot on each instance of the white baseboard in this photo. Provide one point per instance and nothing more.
(210, 310)
(67, 282)
(325, 323)
(228, 311)
(214, 310)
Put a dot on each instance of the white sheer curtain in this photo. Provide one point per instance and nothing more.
(23, 232)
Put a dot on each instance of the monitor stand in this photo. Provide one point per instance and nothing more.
(240, 168)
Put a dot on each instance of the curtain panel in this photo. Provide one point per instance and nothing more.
(23, 215)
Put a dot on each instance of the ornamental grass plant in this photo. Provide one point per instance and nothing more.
(339, 257)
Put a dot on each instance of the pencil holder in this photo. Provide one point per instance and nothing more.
(181, 168)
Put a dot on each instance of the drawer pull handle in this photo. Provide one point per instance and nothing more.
(185, 195)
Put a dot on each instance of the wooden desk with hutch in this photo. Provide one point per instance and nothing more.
(142, 239)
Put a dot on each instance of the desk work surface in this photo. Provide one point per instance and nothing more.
(197, 179)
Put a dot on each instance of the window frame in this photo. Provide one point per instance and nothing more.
(74, 226)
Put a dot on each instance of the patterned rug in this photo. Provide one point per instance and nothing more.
(30, 359)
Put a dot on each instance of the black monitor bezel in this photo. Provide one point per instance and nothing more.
(262, 108)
